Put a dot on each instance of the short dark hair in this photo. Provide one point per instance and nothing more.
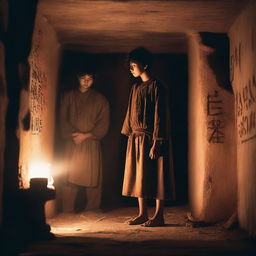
(140, 55)
(83, 72)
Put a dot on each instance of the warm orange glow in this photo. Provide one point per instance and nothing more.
(41, 170)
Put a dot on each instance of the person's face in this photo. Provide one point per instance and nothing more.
(136, 69)
(85, 82)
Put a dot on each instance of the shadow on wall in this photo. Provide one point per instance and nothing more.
(17, 41)
(219, 59)
(114, 81)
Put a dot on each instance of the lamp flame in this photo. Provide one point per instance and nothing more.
(41, 170)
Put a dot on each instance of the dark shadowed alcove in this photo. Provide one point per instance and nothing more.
(114, 82)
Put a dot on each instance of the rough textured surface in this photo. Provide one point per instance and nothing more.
(243, 78)
(118, 26)
(212, 178)
(38, 101)
(105, 233)
(196, 132)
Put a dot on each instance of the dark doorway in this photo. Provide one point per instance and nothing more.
(114, 82)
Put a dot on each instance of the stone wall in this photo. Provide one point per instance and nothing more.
(243, 77)
(197, 132)
(37, 103)
(212, 168)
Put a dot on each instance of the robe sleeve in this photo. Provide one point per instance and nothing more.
(65, 126)
(126, 129)
(102, 121)
(159, 113)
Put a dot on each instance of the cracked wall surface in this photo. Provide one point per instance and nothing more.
(37, 103)
(243, 77)
(212, 164)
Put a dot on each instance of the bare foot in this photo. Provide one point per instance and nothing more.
(154, 222)
(137, 220)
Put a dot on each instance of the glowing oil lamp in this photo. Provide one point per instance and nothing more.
(40, 175)
(34, 198)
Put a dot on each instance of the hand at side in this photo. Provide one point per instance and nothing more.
(155, 150)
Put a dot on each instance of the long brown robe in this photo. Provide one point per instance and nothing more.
(84, 112)
(146, 120)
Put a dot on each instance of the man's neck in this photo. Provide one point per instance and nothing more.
(82, 90)
(145, 76)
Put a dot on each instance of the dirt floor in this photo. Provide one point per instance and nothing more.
(106, 233)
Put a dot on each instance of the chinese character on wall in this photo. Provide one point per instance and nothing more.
(215, 125)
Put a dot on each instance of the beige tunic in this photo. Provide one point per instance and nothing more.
(145, 121)
(84, 112)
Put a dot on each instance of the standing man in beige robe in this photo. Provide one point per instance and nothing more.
(84, 121)
(147, 174)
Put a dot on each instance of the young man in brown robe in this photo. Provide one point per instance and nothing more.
(146, 175)
(84, 121)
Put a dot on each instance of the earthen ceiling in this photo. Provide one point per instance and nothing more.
(118, 26)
